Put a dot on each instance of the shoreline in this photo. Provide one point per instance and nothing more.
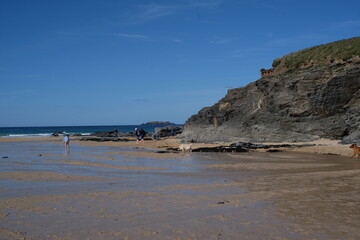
(321, 146)
(124, 190)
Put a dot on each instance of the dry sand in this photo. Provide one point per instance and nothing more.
(124, 190)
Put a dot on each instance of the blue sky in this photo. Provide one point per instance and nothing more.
(96, 62)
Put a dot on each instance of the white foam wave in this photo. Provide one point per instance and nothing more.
(38, 135)
(29, 135)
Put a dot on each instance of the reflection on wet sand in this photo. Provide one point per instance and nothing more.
(103, 192)
(67, 151)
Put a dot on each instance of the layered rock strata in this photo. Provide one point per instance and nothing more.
(303, 104)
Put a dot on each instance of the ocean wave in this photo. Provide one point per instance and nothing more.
(71, 130)
(38, 135)
(29, 135)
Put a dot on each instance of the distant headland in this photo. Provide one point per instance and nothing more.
(157, 123)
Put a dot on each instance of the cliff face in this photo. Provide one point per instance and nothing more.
(302, 104)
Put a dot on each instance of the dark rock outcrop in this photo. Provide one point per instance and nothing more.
(167, 131)
(108, 139)
(56, 134)
(245, 147)
(114, 133)
(303, 104)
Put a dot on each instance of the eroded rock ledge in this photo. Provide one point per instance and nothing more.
(295, 105)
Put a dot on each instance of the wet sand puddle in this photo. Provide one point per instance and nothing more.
(126, 193)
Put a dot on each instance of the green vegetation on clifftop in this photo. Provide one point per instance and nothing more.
(327, 53)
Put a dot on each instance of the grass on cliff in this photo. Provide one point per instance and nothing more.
(339, 50)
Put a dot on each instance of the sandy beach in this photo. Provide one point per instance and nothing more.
(124, 190)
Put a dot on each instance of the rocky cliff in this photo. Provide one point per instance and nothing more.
(318, 97)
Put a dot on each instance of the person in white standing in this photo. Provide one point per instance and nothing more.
(67, 141)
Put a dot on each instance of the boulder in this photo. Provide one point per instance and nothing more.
(352, 138)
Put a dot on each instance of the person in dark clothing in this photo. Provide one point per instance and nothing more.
(116, 132)
(140, 134)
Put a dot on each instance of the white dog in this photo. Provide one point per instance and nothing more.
(186, 147)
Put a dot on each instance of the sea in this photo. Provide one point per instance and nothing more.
(71, 130)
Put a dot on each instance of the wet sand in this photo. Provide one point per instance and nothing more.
(129, 191)
(321, 146)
